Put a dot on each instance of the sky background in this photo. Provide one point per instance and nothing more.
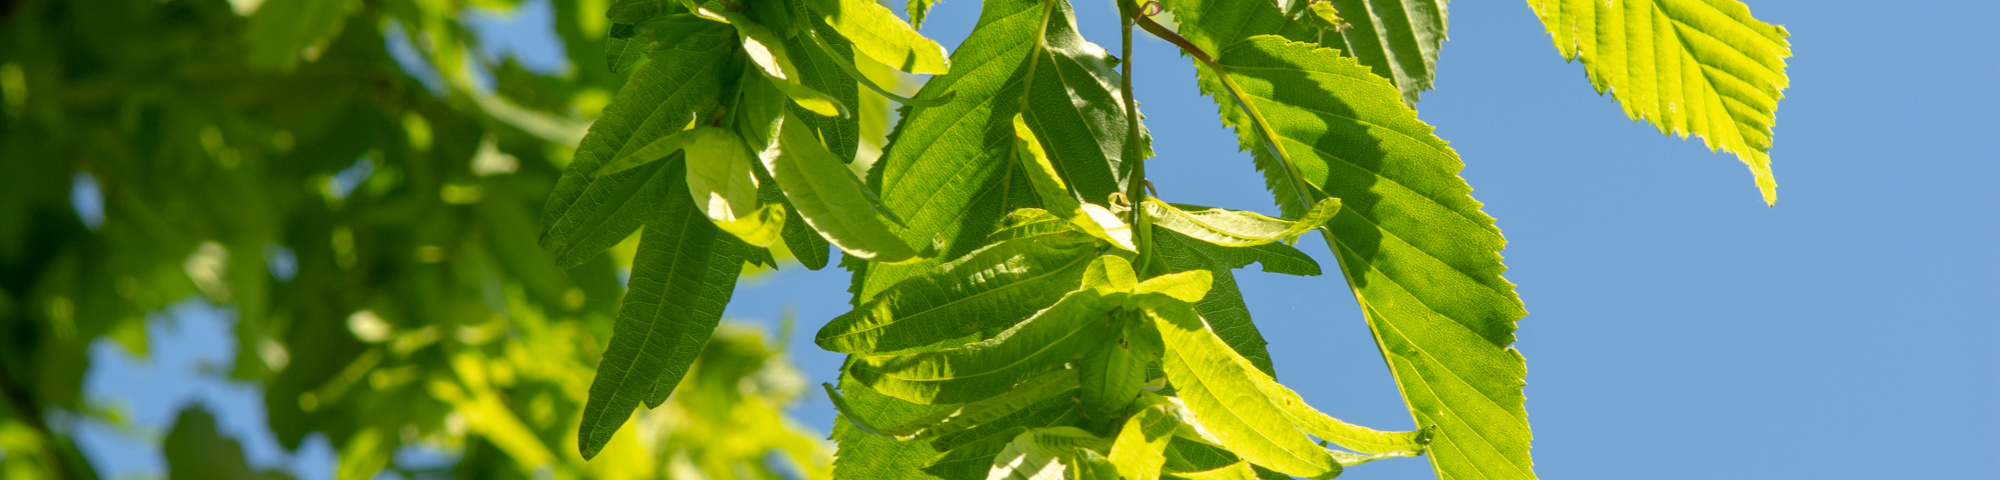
(1677, 326)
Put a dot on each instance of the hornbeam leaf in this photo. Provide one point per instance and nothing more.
(1074, 109)
(806, 245)
(1704, 67)
(820, 57)
(1049, 453)
(1112, 375)
(1227, 404)
(983, 292)
(1223, 306)
(682, 277)
(1232, 228)
(767, 51)
(1140, 450)
(723, 185)
(585, 213)
(961, 201)
(1397, 39)
(1312, 421)
(1421, 257)
(1187, 287)
(829, 198)
(1056, 195)
(972, 460)
(877, 33)
(986, 368)
(963, 417)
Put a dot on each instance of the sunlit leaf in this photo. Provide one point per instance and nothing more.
(1227, 403)
(983, 292)
(1686, 66)
(986, 368)
(877, 33)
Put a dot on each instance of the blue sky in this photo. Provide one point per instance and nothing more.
(1677, 326)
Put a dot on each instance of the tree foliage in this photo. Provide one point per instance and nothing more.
(1022, 306)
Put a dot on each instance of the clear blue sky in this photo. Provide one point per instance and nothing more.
(1677, 326)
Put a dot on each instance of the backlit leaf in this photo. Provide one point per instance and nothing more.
(1687, 66)
(1227, 404)
(986, 368)
(877, 33)
(1234, 228)
(1420, 255)
(985, 291)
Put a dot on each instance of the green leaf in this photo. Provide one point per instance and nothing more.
(1232, 228)
(824, 61)
(972, 460)
(966, 416)
(1112, 375)
(877, 33)
(586, 214)
(768, 52)
(1421, 257)
(1223, 307)
(621, 54)
(1140, 449)
(828, 196)
(1056, 195)
(977, 295)
(986, 368)
(1397, 39)
(1687, 66)
(806, 245)
(723, 186)
(279, 34)
(682, 278)
(1228, 404)
(1042, 454)
(1073, 109)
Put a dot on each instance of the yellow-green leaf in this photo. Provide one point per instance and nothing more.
(1704, 67)
(877, 33)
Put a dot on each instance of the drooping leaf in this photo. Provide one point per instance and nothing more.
(1056, 196)
(986, 368)
(682, 278)
(1226, 402)
(973, 414)
(983, 292)
(1049, 453)
(1223, 306)
(974, 459)
(1420, 255)
(724, 187)
(586, 214)
(877, 33)
(1234, 228)
(828, 196)
(822, 58)
(1074, 109)
(1686, 66)
(1397, 39)
(768, 52)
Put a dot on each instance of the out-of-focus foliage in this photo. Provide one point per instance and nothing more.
(372, 223)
